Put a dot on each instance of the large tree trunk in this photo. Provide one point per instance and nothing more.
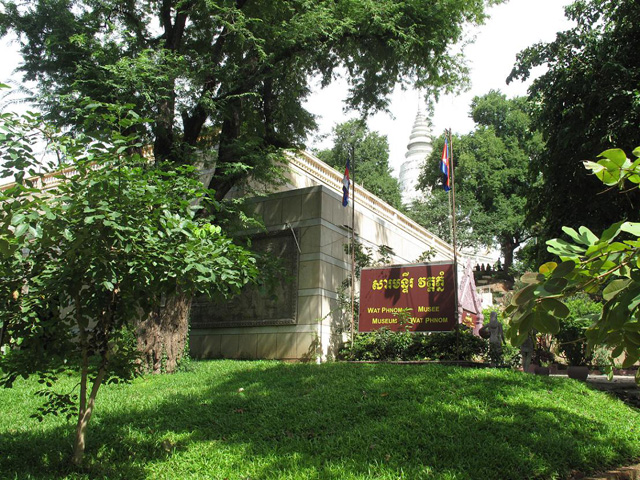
(162, 336)
(508, 247)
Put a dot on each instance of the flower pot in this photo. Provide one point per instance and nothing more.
(541, 371)
(578, 372)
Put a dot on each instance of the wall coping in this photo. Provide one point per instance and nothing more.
(329, 176)
(323, 173)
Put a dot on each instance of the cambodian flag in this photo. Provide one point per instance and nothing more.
(445, 166)
(345, 186)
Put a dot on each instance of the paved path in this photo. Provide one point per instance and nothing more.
(622, 386)
(625, 473)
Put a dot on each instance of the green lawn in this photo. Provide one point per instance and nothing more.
(269, 420)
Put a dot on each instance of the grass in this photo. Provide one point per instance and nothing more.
(268, 420)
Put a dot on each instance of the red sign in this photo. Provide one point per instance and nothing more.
(469, 319)
(428, 290)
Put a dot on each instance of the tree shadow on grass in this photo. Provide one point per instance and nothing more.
(347, 421)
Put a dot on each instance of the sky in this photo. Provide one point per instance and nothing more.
(512, 27)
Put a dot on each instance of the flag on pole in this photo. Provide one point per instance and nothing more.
(346, 182)
(445, 166)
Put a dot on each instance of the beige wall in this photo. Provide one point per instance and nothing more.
(310, 208)
(306, 213)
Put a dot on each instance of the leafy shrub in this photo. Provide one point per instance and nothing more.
(602, 360)
(572, 341)
(511, 356)
(385, 344)
(608, 264)
(444, 346)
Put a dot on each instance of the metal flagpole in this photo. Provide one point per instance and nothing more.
(353, 242)
(450, 217)
(454, 240)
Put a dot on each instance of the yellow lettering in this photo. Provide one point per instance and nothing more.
(436, 320)
(383, 321)
(427, 309)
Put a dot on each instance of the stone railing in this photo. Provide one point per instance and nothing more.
(47, 180)
(330, 177)
(324, 174)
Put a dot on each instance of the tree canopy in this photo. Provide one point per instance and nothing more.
(369, 154)
(491, 166)
(234, 73)
(587, 100)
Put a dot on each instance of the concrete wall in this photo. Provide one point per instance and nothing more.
(308, 216)
(309, 209)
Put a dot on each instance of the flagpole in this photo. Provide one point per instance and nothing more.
(450, 216)
(353, 242)
(454, 239)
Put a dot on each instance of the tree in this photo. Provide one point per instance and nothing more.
(434, 214)
(491, 166)
(224, 80)
(240, 67)
(369, 154)
(84, 260)
(587, 99)
(607, 265)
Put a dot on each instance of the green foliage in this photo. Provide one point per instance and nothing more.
(234, 74)
(364, 257)
(608, 265)
(615, 169)
(461, 345)
(571, 337)
(602, 360)
(86, 257)
(586, 100)
(384, 344)
(434, 213)
(491, 177)
(369, 154)
(511, 356)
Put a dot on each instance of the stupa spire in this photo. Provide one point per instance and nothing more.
(418, 148)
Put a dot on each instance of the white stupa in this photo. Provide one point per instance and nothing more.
(418, 149)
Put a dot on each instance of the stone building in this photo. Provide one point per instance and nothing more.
(306, 226)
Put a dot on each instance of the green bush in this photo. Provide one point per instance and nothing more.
(511, 356)
(445, 345)
(385, 344)
(572, 341)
